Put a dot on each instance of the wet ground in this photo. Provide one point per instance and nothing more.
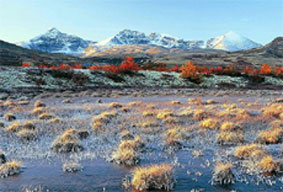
(42, 167)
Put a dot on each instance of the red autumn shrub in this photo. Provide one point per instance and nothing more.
(26, 64)
(265, 69)
(64, 67)
(189, 71)
(77, 66)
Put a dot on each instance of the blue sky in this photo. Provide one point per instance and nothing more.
(259, 20)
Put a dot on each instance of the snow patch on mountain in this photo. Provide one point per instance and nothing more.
(127, 36)
(231, 41)
(54, 41)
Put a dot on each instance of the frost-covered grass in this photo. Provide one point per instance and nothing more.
(150, 131)
(14, 78)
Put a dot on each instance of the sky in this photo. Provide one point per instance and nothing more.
(259, 20)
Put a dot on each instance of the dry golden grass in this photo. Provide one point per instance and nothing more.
(271, 136)
(10, 168)
(277, 123)
(127, 156)
(245, 151)
(188, 112)
(115, 105)
(153, 177)
(148, 113)
(176, 102)
(125, 109)
(104, 117)
(210, 102)
(232, 137)
(98, 126)
(55, 120)
(46, 116)
(229, 126)
(14, 127)
(39, 103)
(135, 103)
(273, 110)
(148, 123)
(199, 114)
(281, 116)
(128, 151)
(171, 120)
(39, 110)
(209, 123)
(222, 173)
(173, 136)
(23, 102)
(220, 166)
(164, 114)
(195, 101)
(9, 103)
(26, 134)
(10, 117)
(67, 142)
(267, 164)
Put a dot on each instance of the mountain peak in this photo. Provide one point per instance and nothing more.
(54, 41)
(53, 30)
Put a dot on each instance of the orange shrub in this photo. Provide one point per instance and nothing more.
(26, 64)
(265, 69)
(189, 71)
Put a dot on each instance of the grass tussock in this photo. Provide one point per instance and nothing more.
(230, 137)
(14, 127)
(148, 113)
(46, 116)
(10, 168)
(174, 137)
(9, 103)
(128, 152)
(195, 101)
(104, 117)
(39, 110)
(277, 123)
(273, 110)
(199, 114)
(164, 114)
(39, 103)
(176, 102)
(267, 164)
(222, 174)
(209, 123)
(67, 142)
(71, 166)
(229, 126)
(115, 105)
(26, 134)
(135, 103)
(10, 117)
(152, 177)
(23, 102)
(271, 136)
(245, 151)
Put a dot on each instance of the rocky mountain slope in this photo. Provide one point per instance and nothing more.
(54, 41)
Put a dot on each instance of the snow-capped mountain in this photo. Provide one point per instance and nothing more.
(54, 41)
(231, 41)
(127, 37)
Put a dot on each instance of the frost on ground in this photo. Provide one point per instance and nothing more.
(15, 77)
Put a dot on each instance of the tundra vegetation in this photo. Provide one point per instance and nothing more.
(159, 142)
